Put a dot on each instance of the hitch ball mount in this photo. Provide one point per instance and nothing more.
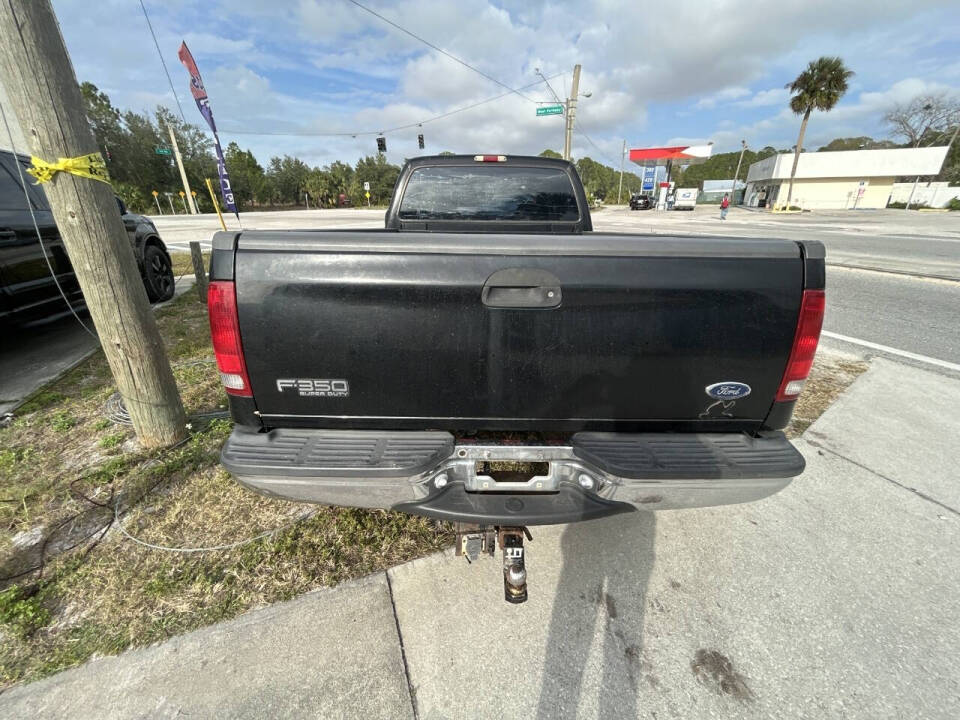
(472, 540)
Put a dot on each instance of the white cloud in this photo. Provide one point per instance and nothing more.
(721, 96)
(763, 98)
(281, 65)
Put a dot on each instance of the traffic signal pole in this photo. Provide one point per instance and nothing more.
(40, 82)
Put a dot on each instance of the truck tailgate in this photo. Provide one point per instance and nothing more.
(376, 329)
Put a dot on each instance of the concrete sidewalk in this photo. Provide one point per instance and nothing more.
(835, 598)
(32, 357)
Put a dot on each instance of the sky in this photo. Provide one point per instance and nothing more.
(657, 73)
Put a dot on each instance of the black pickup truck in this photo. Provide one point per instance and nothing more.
(487, 359)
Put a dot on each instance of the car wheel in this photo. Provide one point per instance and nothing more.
(158, 274)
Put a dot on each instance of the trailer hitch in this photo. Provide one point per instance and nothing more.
(472, 540)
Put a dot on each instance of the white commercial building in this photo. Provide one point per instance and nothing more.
(849, 179)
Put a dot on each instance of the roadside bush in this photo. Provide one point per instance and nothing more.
(134, 198)
(903, 206)
(954, 204)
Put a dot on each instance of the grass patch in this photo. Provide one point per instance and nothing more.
(111, 441)
(182, 263)
(830, 376)
(21, 614)
(63, 468)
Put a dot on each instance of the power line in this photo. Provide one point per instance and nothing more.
(554, 92)
(162, 62)
(579, 128)
(438, 49)
(307, 133)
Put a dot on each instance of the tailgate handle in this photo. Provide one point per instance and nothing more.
(522, 288)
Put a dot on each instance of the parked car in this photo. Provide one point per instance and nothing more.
(488, 360)
(639, 201)
(28, 292)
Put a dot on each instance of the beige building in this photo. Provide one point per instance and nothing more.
(845, 180)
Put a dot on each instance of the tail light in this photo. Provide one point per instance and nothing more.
(804, 345)
(225, 333)
(489, 158)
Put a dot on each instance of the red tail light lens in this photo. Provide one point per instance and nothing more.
(490, 158)
(225, 333)
(804, 345)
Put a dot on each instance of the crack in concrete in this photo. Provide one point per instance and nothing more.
(411, 691)
(916, 492)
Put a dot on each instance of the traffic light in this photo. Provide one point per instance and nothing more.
(420, 141)
(381, 144)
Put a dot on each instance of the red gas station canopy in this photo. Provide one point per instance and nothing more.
(681, 154)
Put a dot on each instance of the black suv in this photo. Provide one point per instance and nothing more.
(28, 292)
(640, 202)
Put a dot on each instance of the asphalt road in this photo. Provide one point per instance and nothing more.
(891, 240)
(913, 314)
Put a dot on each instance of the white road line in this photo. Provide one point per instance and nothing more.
(892, 351)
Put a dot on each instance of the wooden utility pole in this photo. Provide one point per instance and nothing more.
(623, 152)
(41, 84)
(183, 173)
(196, 255)
(571, 111)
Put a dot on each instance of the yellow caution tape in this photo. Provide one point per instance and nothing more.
(89, 166)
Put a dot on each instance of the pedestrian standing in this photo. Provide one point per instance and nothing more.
(724, 205)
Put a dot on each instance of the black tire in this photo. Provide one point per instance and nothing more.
(157, 275)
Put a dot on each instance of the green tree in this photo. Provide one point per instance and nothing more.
(819, 87)
(319, 185)
(104, 119)
(548, 153)
(599, 180)
(289, 175)
(721, 166)
(341, 178)
(381, 175)
(857, 143)
(196, 149)
(246, 176)
(143, 167)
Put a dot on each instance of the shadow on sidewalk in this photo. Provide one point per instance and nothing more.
(601, 597)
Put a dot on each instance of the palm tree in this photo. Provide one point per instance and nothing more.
(819, 87)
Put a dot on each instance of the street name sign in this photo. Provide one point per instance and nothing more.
(550, 110)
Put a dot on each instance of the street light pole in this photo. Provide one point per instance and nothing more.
(733, 190)
(623, 151)
(571, 111)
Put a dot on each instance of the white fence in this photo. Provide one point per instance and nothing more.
(934, 194)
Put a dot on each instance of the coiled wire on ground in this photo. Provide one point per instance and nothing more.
(116, 412)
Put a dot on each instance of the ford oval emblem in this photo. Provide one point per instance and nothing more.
(728, 390)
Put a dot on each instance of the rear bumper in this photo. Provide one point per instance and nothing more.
(427, 473)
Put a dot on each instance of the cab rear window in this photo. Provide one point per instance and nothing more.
(489, 192)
